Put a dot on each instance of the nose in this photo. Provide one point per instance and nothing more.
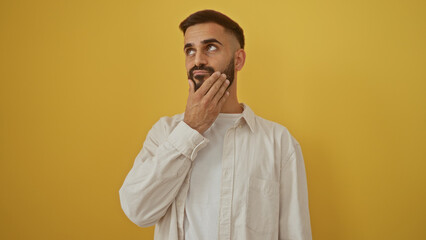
(200, 59)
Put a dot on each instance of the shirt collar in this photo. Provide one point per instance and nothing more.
(248, 116)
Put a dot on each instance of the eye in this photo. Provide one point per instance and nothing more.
(211, 48)
(189, 52)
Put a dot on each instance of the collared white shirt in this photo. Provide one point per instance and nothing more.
(202, 203)
(263, 193)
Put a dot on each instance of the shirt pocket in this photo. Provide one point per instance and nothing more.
(262, 205)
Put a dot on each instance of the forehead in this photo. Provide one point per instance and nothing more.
(199, 32)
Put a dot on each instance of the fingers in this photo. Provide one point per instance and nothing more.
(208, 83)
(220, 93)
(216, 87)
(191, 86)
(223, 100)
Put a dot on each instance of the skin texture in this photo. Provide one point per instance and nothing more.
(209, 45)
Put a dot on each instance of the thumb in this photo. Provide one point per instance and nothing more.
(191, 86)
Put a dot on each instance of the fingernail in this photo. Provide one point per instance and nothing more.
(227, 81)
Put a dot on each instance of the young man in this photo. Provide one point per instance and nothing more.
(217, 171)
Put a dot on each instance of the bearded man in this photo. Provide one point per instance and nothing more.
(217, 171)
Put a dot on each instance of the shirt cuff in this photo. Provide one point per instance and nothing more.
(187, 140)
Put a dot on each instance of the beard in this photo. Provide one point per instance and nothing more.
(229, 72)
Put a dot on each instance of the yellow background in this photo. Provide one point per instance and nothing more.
(83, 81)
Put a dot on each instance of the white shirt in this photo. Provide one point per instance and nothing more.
(263, 193)
(203, 199)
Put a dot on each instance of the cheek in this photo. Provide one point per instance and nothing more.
(222, 67)
(188, 64)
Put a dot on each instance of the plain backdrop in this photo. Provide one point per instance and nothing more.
(82, 82)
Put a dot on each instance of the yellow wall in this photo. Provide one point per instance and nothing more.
(83, 81)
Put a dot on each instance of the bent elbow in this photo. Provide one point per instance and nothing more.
(135, 212)
(142, 222)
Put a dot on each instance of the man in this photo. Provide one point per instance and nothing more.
(217, 171)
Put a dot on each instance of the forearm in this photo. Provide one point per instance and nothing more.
(157, 175)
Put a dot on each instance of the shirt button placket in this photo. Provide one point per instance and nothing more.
(226, 186)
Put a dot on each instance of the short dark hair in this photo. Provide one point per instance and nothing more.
(205, 16)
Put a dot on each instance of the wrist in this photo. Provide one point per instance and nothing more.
(199, 128)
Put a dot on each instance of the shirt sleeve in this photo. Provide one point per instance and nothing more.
(158, 172)
(294, 208)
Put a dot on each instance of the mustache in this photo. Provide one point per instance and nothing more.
(201, 67)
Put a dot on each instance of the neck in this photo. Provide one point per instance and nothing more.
(232, 105)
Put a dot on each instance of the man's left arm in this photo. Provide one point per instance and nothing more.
(294, 207)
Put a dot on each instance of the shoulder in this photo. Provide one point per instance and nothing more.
(270, 127)
(278, 134)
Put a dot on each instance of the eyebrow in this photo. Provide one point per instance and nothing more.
(210, 40)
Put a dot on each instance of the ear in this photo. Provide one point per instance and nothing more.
(240, 59)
